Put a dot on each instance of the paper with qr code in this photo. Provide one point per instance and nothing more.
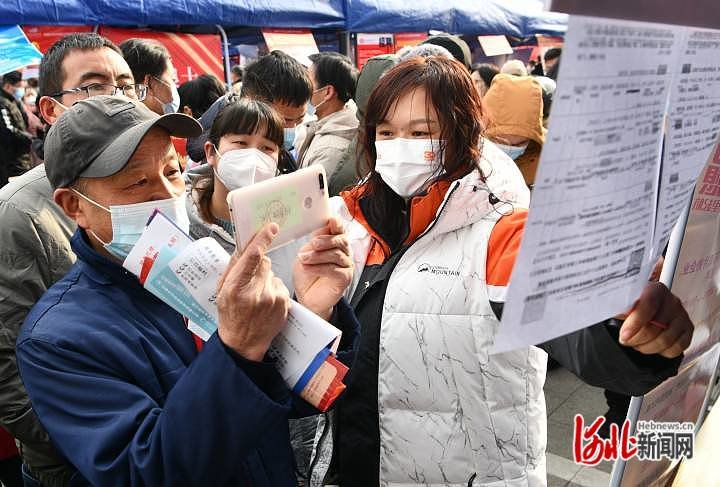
(604, 199)
(185, 277)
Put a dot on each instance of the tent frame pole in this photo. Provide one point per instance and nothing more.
(226, 55)
(347, 45)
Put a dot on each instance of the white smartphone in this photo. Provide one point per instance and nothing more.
(297, 202)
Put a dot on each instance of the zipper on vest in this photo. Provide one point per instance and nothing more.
(402, 250)
(395, 256)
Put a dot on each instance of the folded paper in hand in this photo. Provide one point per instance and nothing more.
(184, 273)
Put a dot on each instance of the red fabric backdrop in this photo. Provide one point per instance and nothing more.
(192, 54)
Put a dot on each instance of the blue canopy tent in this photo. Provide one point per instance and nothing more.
(547, 23)
(519, 18)
(315, 14)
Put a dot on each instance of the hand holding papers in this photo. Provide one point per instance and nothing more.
(305, 351)
(185, 275)
(669, 337)
(605, 199)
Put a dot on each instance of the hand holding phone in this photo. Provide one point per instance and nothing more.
(324, 269)
(296, 202)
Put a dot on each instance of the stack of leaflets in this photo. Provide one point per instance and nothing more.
(184, 274)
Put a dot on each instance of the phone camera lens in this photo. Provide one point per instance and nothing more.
(321, 180)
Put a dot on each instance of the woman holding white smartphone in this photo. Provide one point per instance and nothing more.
(242, 149)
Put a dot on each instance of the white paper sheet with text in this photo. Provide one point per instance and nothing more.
(586, 250)
(303, 337)
(693, 124)
(199, 269)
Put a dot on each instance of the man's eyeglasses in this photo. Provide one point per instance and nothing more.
(137, 91)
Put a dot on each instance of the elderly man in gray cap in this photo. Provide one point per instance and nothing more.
(113, 373)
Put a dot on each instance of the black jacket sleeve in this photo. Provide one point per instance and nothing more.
(345, 319)
(595, 355)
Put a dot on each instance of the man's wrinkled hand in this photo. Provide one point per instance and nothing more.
(252, 303)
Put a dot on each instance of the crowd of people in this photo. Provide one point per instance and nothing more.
(431, 161)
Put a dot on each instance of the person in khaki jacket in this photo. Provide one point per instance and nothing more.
(514, 105)
(324, 141)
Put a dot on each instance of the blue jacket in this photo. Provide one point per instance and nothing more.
(116, 380)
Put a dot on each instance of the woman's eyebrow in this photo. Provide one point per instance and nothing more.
(424, 121)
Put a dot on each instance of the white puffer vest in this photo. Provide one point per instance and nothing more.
(451, 414)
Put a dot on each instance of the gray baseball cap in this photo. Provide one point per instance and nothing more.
(96, 137)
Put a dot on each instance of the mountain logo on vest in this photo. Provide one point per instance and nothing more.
(437, 270)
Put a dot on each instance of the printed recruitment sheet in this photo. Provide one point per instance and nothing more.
(606, 197)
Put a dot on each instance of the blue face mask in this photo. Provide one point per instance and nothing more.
(289, 140)
(129, 221)
(174, 104)
(312, 109)
(513, 151)
(19, 93)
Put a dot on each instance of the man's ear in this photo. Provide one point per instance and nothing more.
(210, 154)
(187, 110)
(333, 92)
(49, 109)
(69, 201)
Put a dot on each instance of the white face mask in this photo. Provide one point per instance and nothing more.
(239, 168)
(407, 165)
(129, 221)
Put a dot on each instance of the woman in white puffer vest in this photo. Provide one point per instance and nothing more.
(435, 228)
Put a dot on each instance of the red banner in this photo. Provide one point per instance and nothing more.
(192, 54)
(369, 45)
(44, 36)
(403, 39)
